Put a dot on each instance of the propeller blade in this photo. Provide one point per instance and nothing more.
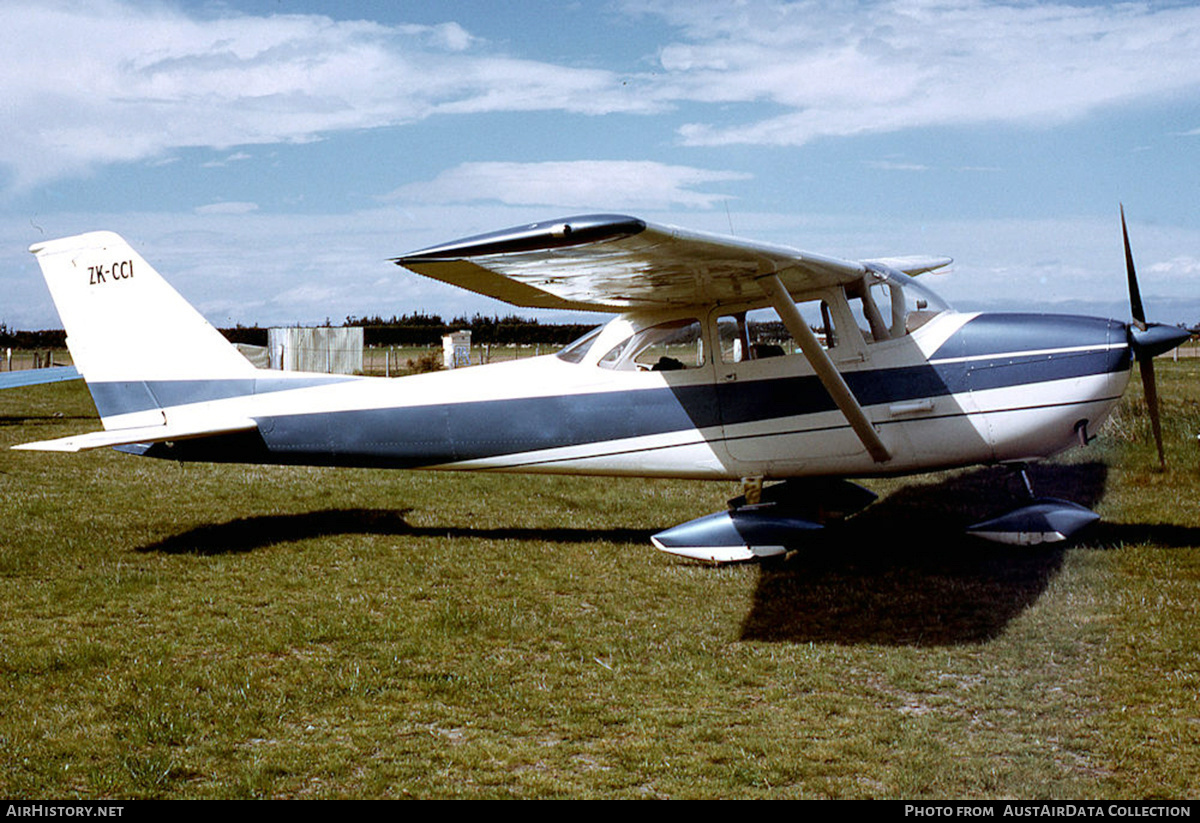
(1150, 387)
(1135, 294)
(1146, 340)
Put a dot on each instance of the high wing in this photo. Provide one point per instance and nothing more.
(614, 263)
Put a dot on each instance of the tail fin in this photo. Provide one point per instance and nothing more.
(131, 335)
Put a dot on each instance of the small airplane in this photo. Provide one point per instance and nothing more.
(726, 360)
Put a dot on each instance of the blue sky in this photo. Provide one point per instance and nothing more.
(269, 156)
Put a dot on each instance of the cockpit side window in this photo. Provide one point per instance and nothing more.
(670, 346)
(887, 305)
(865, 298)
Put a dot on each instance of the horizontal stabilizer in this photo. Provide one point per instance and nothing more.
(141, 434)
(34, 377)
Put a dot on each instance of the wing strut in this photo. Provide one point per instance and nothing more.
(828, 374)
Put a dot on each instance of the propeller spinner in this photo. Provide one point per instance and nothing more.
(1147, 340)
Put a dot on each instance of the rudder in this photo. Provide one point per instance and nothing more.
(128, 330)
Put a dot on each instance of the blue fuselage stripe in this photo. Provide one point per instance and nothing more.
(410, 437)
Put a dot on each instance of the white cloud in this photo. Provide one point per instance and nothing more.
(117, 81)
(838, 69)
(1183, 267)
(236, 157)
(893, 165)
(113, 81)
(591, 183)
(450, 36)
(227, 207)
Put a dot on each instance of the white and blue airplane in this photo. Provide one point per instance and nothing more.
(726, 360)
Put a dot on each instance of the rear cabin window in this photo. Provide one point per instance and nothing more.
(760, 334)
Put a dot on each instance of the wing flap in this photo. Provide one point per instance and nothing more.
(140, 434)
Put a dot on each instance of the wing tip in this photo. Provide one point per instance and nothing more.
(545, 234)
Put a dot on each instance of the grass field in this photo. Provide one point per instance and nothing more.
(204, 631)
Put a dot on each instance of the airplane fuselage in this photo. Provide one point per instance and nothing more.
(962, 389)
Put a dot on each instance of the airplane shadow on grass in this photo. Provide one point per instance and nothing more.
(901, 573)
(250, 533)
(48, 419)
(905, 573)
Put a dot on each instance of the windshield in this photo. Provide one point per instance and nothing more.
(575, 352)
(918, 297)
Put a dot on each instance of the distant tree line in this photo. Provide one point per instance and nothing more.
(404, 330)
(44, 339)
(428, 329)
(248, 335)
